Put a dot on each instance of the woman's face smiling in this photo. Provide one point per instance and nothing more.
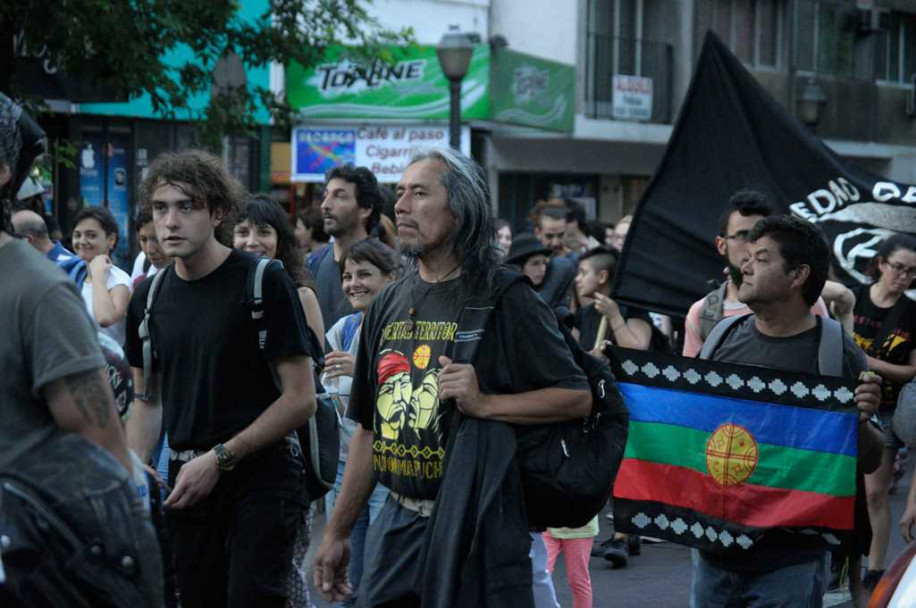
(361, 282)
(90, 240)
(255, 238)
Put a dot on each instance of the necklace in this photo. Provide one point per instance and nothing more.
(412, 309)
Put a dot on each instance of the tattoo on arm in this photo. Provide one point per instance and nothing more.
(92, 396)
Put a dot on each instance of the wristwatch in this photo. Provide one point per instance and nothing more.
(225, 459)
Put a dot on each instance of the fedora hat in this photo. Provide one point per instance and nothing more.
(525, 245)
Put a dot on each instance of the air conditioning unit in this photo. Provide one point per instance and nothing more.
(871, 20)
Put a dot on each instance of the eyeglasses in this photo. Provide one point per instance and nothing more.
(901, 269)
(741, 235)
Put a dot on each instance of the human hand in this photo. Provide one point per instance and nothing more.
(329, 569)
(458, 381)
(195, 481)
(99, 266)
(868, 394)
(607, 307)
(338, 364)
(599, 351)
(908, 520)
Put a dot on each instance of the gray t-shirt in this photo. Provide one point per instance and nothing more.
(331, 299)
(46, 335)
(744, 344)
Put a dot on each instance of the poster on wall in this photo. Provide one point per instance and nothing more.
(384, 149)
(118, 198)
(92, 172)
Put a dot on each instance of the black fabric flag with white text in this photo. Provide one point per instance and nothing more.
(731, 134)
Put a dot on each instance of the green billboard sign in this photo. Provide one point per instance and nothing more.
(532, 92)
(414, 87)
(502, 86)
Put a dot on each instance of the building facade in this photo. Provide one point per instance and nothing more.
(634, 60)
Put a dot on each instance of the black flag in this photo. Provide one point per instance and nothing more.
(731, 134)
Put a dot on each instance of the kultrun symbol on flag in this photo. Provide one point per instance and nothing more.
(731, 455)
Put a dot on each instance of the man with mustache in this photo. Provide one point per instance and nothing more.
(351, 209)
(745, 208)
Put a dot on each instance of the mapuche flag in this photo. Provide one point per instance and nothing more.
(720, 456)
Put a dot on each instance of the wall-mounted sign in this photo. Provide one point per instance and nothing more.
(632, 98)
(414, 87)
(384, 149)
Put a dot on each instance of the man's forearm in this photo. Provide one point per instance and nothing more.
(900, 374)
(83, 403)
(144, 425)
(356, 486)
(286, 414)
(291, 410)
(538, 407)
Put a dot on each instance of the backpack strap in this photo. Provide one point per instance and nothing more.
(256, 298)
(718, 333)
(349, 330)
(318, 257)
(830, 349)
(713, 309)
(143, 332)
(472, 320)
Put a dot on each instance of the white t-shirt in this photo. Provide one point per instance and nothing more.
(344, 383)
(139, 263)
(116, 277)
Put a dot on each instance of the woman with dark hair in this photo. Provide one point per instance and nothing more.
(265, 230)
(530, 257)
(503, 235)
(885, 328)
(365, 268)
(106, 290)
(310, 230)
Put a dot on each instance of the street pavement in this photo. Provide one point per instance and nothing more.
(660, 576)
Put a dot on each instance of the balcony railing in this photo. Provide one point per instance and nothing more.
(608, 56)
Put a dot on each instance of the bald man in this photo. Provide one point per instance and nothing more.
(31, 226)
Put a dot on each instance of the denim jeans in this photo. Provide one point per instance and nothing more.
(796, 586)
(235, 546)
(542, 582)
(360, 527)
(73, 531)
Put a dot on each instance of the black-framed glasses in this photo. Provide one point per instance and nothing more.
(899, 268)
(741, 235)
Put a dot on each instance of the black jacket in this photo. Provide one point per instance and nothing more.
(477, 540)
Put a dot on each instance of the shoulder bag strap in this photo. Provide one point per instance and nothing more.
(472, 320)
(256, 298)
(713, 309)
(718, 333)
(830, 349)
(143, 332)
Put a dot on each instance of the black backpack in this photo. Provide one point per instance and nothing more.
(319, 438)
(567, 468)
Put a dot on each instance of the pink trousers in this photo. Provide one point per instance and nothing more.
(578, 552)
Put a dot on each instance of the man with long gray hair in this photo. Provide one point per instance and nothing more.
(405, 383)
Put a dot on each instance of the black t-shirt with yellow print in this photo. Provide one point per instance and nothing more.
(898, 342)
(396, 389)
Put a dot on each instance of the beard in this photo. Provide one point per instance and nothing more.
(734, 273)
(412, 250)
